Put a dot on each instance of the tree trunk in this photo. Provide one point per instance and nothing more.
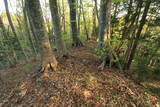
(75, 38)
(63, 17)
(48, 60)
(94, 31)
(13, 28)
(135, 44)
(96, 8)
(79, 17)
(57, 29)
(105, 19)
(84, 19)
(102, 21)
(28, 31)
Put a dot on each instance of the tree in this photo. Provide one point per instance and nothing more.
(104, 35)
(73, 21)
(7, 48)
(48, 60)
(84, 19)
(102, 21)
(138, 34)
(28, 31)
(57, 29)
(13, 28)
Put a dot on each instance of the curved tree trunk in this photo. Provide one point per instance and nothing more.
(48, 60)
(135, 43)
(76, 41)
(57, 29)
(13, 28)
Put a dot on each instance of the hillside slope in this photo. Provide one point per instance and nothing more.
(77, 83)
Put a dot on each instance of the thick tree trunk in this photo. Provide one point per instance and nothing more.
(76, 41)
(57, 29)
(102, 21)
(48, 60)
(28, 31)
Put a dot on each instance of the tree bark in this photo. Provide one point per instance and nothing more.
(63, 17)
(13, 28)
(96, 8)
(102, 21)
(76, 41)
(94, 30)
(48, 60)
(57, 29)
(28, 30)
(135, 44)
(84, 19)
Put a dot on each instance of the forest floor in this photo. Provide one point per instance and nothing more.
(77, 83)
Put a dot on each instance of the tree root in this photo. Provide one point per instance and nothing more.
(103, 64)
(77, 43)
(113, 61)
(47, 67)
(44, 69)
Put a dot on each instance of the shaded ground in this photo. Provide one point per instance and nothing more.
(77, 83)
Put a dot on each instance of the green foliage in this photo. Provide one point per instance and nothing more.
(145, 71)
(119, 0)
(103, 50)
(156, 91)
(142, 69)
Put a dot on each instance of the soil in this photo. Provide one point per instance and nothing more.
(76, 83)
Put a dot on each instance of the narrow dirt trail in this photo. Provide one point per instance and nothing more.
(78, 83)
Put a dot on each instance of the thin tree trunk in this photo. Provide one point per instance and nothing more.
(135, 44)
(79, 17)
(63, 17)
(94, 33)
(96, 8)
(13, 28)
(84, 19)
(5, 36)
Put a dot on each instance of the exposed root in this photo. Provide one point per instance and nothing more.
(103, 64)
(44, 69)
(77, 43)
(48, 67)
(101, 67)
